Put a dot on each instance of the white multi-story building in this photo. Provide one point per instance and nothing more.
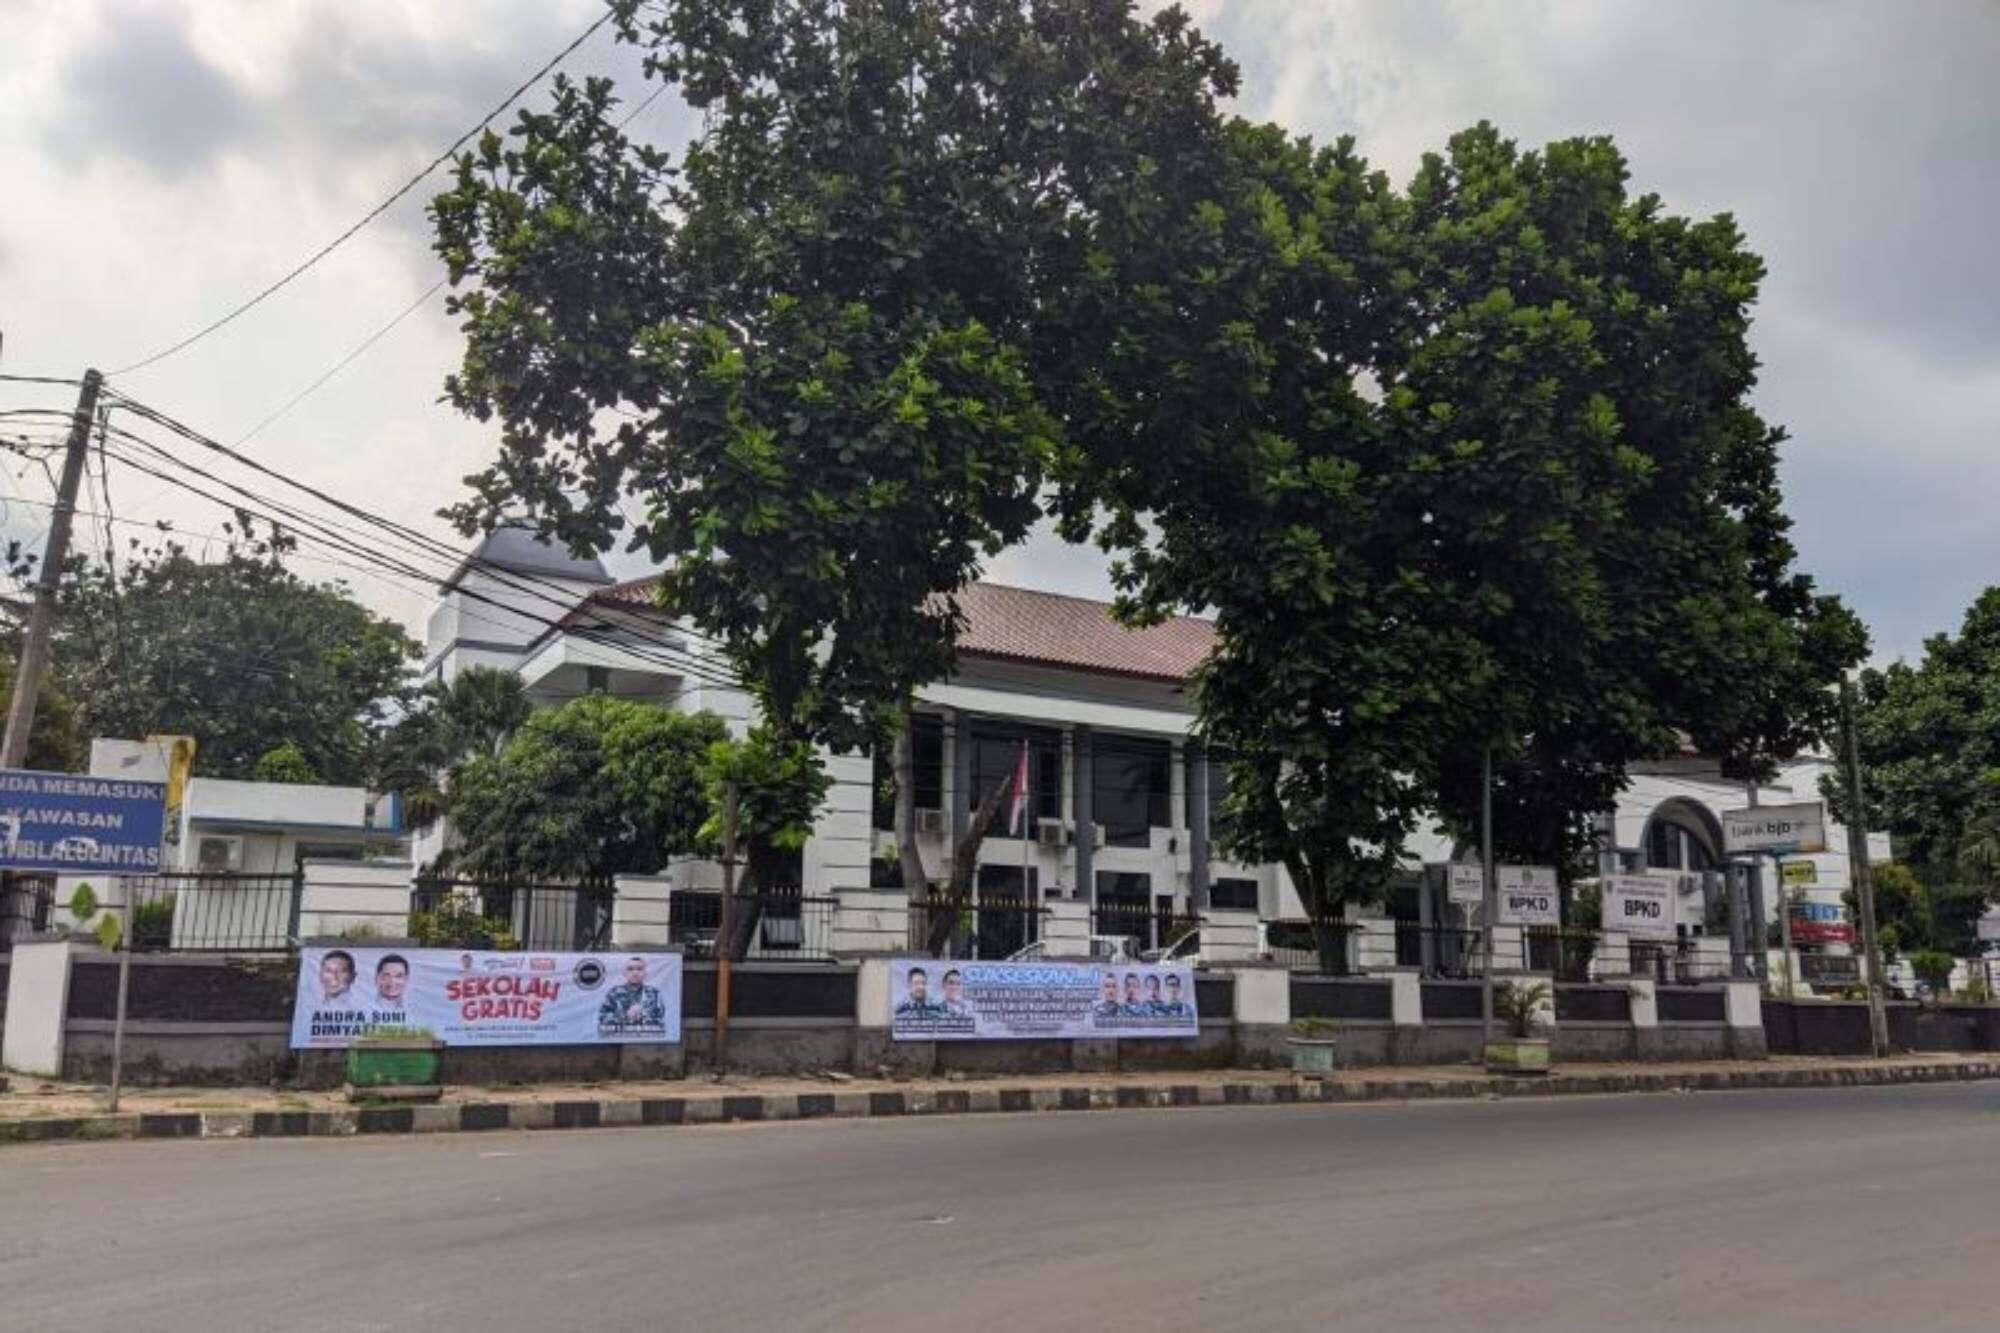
(1121, 794)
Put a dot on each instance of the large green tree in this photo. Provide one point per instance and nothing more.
(819, 329)
(1463, 466)
(445, 727)
(238, 652)
(595, 788)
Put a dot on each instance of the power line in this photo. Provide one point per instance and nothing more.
(324, 534)
(372, 213)
(341, 364)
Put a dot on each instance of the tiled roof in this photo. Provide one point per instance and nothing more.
(1024, 625)
(1044, 628)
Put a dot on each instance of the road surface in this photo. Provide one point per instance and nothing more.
(1808, 1210)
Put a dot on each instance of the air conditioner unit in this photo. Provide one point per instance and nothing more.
(1051, 833)
(218, 855)
(930, 823)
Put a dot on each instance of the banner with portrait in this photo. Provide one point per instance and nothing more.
(937, 999)
(478, 998)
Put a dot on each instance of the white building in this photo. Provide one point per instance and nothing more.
(1106, 716)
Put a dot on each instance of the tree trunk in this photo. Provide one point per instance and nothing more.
(909, 857)
(945, 914)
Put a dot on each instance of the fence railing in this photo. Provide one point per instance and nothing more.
(1564, 952)
(988, 927)
(1448, 952)
(1296, 944)
(1145, 927)
(783, 927)
(196, 912)
(26, 904)
(562, 917)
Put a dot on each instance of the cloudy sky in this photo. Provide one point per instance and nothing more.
(164, 160)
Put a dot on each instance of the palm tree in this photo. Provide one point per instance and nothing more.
(474, 715)
(1979, 850)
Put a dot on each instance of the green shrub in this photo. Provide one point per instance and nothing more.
(456, 924)
(83, 903)
(1933, 968)
(153, 923)
(1519, 1005)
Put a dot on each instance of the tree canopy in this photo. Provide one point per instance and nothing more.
(1460, 465)
(443, 728)
(820, 326)
(238, 652)
(594, 788)
(1929, 738)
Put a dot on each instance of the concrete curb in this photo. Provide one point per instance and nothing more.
(473, 1117)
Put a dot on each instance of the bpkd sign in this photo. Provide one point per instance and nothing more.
(1641, 906)
(1528, 895)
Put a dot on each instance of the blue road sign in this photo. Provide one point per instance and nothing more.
(75, 824)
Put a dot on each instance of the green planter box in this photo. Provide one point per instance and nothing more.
(383, 1062)
(1518, 1055)
(1311, 1055)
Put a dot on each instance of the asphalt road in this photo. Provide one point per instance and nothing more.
(1811, 1210)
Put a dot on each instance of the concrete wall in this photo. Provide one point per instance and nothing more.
(355, 897)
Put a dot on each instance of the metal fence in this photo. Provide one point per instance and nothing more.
(26, 902)
(214, 913)
(526, 916)
(783, 927)
(990, 926)
(1296, 944)
(1145, 927)
(1438, 951)
(1563, 952)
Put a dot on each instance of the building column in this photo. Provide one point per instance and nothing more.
(1198, 821)
(1083, 813)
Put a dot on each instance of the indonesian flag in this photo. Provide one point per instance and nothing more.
(1017, 813)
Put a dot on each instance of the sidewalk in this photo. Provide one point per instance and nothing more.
(38, 1110)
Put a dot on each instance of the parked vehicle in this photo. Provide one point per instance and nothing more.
(1103, 949)
(1183, 952)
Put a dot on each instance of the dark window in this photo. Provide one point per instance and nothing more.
(996, 753)
(1131, 790)
(1234, 894)
(1132, 888)
(1663, 846)
(927, 769)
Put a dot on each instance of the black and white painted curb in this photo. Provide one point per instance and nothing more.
(716, 1108)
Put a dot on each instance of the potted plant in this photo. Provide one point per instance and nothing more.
(1311, 1046)
(397, 1063)
(1519, 1005)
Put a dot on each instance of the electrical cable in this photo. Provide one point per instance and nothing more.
(374, 212)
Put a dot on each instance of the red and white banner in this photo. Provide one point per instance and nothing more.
(476, 998)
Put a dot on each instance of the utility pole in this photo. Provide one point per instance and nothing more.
(35, 646)
(1489, 897)
(726, 933)
(1863, 875)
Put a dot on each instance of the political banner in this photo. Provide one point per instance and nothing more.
(1641, 906)
(1528, 895)
(936, 999)
(478, 998)
(76, 824)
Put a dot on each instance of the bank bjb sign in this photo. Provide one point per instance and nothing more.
(1775, 828)
(76, 824)
(1641, 906)
(1528, 895)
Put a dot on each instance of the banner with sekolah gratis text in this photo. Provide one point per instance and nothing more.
(480, 998)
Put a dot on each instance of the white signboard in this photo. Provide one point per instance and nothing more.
(939, 999)
(1528, 895)
(475, 998)
(1464, 884)
(1989, 928)
(1641, 906)
(1776, 828)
